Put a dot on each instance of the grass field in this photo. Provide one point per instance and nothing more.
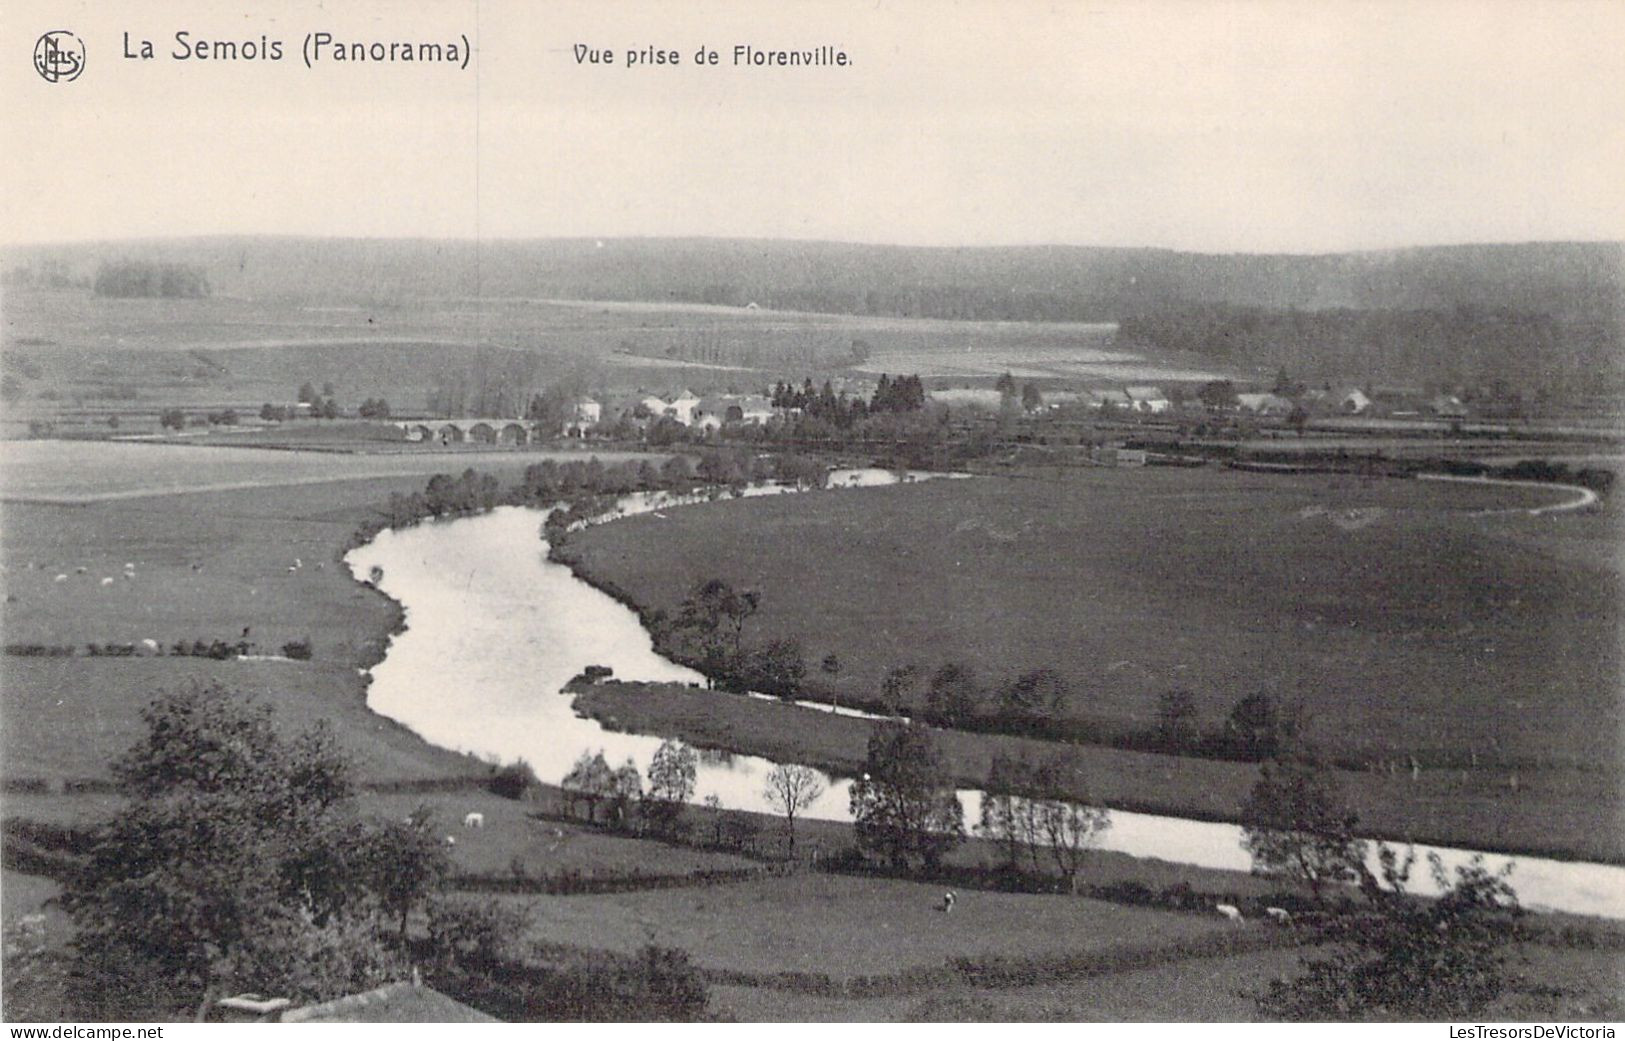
(1404, 621)
(845, 926)
(76, 471)
(1211, 990)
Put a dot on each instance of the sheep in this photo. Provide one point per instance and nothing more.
(60, 578)
(1230, 911)
(1279, 915)
(150, 645)
(107, 581)
(474, 820)
(78, 570)
(948, 902)
(451, 840)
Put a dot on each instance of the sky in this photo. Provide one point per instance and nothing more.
(1205, 125)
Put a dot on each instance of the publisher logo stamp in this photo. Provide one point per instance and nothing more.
(59, 56)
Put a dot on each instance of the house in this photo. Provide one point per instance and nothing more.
(405, 1002)
(1264, 404)
(1352, 401)
(712, 412)
(681, 407)
(1347, 401)
(1147, 399)
(1109, 399)
(586, 414)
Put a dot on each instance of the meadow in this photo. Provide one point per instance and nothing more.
(1403, 618)
(75, 472)
(845, 926)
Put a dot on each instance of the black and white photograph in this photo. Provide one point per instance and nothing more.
(902, 511)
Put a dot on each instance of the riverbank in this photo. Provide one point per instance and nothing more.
(1435, 809)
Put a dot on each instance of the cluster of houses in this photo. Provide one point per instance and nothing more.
(1321, 401)
(685, 407)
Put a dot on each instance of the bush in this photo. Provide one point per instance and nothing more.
(512, 781)
(298, 650)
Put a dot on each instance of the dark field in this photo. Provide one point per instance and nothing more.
(1404, 621)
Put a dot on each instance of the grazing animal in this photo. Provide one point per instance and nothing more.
(107, 581)
(151, 645)
(1279, 914)
(60, 578)
(948, 902)
(1230, 911)
(451, 840)
(474, 820)
(77, 570)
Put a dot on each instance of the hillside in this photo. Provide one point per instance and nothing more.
(1573, 281)
(1469, 312)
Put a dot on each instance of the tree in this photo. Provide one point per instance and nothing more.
(1034, 699)
(1031, 398)
(904, 806)
(1218, 395)
(1069, 826)
(1408, 959)
(1296, 824)
(779, 668)
(626, 789)
(307, 394)
(831, 667)
(1005, 385)
(1176, 720)
(716, 614)
(952, 698)
(405, 863)
(790, 789)
(237, 862)
(897, 685)
(1256, 729)
(590, 780)
(672, 773)
(1007, 818)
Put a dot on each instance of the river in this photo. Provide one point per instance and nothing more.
(495, 630)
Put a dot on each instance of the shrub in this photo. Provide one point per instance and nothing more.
(298, 650)
(512, 781)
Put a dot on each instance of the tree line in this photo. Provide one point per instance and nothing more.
(1465, 345)
(147, 278)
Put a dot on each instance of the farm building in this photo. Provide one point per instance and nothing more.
(1147, 399)
(1264, 404)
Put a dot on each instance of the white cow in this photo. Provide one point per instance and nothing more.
(1279, 914)
(474, 820)
(1230, 911)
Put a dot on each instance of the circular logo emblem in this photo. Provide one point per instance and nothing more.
(59, 56)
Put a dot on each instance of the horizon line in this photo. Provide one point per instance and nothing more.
(860, 243)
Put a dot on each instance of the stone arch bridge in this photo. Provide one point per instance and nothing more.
(483, 431)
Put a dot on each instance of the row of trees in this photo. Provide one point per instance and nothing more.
(146, 278)
(592, 783)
